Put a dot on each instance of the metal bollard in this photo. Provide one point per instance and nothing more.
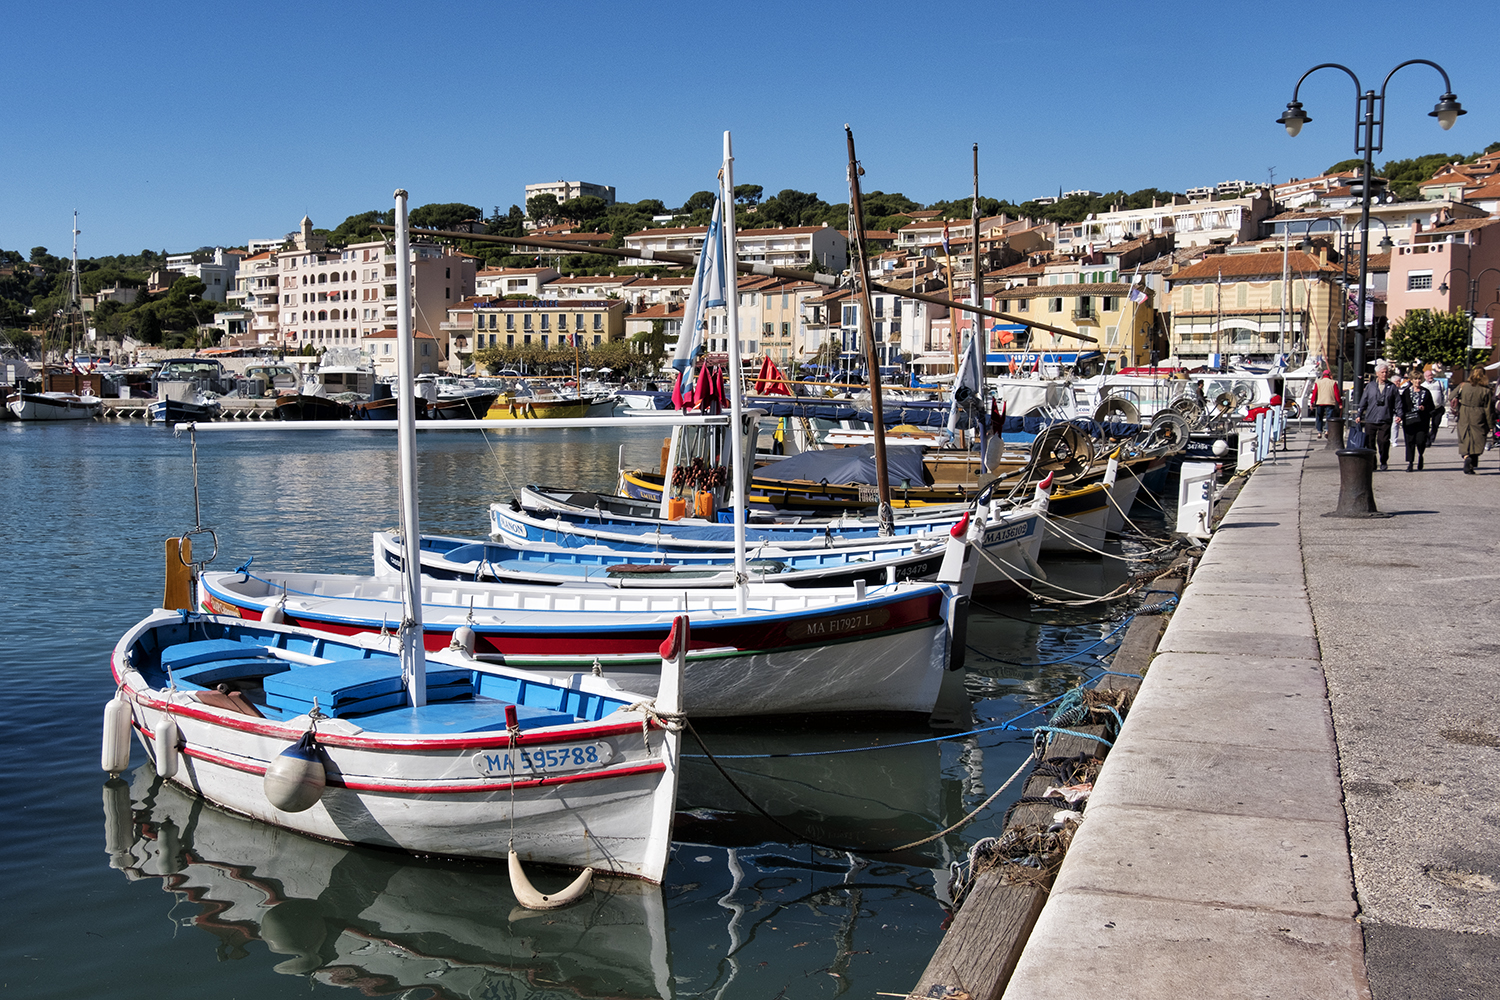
(1356, 483)
(1335, 433)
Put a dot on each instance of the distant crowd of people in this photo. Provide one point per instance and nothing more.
(1412, 405)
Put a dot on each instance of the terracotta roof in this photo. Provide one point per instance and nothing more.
(663, 282)
(662, 310)
(1452, 225)
(389, 334)
(700, 230)
(1246, 265)
(513, 270)
(594, 279)
(1063, 291)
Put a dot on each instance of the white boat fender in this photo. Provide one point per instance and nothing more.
(165, 743)
(528, 897)
(274, 615)
(463, 640)
(115, 757)
(295, 779)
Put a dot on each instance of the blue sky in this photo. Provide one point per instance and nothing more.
(173, 126)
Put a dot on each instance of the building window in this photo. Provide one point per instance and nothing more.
(510, 340)
(1187, 298)
(510, 321)
(598, 324)
(1418, 281)
(526, 324)
(1023, 305)
(1109, 303)
(546, 324)
(1241, 295)
(1054, 305)
(578, 321)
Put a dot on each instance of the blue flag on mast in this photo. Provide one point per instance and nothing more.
(710, 289)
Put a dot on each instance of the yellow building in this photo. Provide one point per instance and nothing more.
(1256, 305)
(1120, 328)
(485, 323)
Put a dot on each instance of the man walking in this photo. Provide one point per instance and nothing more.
(1325, 400)
(1377, 408)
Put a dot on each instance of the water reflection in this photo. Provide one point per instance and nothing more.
(378, 922)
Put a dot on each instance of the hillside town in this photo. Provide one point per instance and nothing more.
(1231, 271)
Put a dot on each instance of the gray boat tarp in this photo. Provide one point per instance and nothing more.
(840, 466)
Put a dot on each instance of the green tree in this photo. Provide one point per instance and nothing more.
(697, 200)
(582, 209)
(444, 216)
(360, 228)
(542, 208)
(1425, 335)
(748, 194)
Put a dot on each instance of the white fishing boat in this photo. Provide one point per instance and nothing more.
(371, 740)
(55, 406)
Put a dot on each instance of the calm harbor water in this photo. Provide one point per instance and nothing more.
(132, 889)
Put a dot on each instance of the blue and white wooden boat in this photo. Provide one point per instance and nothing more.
(319, 734)
(448, 558)
(368, 739)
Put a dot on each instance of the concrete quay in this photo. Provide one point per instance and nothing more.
(1303, 800)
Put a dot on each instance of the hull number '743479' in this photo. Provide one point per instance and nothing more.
(542, 760)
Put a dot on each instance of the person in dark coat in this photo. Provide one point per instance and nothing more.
(1377, 408)
(1476, 417)
(1414, 408)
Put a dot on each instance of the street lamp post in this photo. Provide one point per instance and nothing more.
(1369, 136)
(1473, 286)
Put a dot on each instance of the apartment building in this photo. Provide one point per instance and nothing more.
(484, 322)
(791, 246)
(380, 347)
(331, 297)
(1451, 265)
(1100, 311)
(217, 270)
(568, 190)
(1246, 304)
(257, 285)
(501, 281)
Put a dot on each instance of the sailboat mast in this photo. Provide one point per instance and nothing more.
(737, 462)
(75, 295)
(867, 333)
(413, 652)
(976, 291)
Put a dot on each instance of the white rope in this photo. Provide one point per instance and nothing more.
(1124, 590)
(1028, 762)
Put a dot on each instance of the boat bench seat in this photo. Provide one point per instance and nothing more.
(351, 687)
(209, 673)
(186, 654)
(453, 717)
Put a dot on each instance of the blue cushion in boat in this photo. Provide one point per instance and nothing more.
(452, 717)
(210, 672)
(347, 687)
(185, 654)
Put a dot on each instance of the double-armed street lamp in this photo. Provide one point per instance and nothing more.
(1473, 286)
(1369, 136)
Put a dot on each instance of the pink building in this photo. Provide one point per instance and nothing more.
(1449, 265)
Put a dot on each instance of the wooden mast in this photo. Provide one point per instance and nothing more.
(867, 332)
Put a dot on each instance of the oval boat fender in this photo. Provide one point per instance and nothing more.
(165, 741)
(116, 754)
(295, 779)
(528, 897)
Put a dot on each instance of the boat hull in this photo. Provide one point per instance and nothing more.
(45, 406)
(420, 792)
(527, 408)
(829, 652)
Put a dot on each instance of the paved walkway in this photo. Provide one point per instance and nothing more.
(1216, 859)
(1408, 613)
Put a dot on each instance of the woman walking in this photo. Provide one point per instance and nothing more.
(1476, 417)
(1414, 407)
